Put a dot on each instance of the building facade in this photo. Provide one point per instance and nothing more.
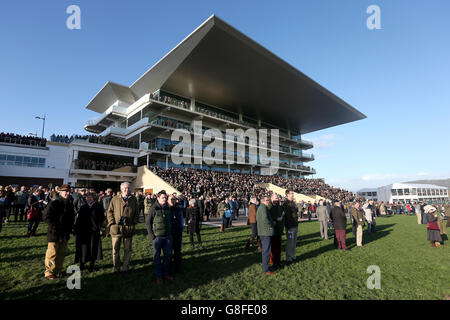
(407, 193)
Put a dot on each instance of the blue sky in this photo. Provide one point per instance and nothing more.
(397, 76)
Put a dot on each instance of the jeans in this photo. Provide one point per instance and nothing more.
(291, 243)
(175, 265)
(164, 244)
(266, 249)
(19, 208)
(33, 225)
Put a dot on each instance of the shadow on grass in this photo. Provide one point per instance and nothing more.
(140, 283)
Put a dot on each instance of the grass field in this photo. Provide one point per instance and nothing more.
(410, 268)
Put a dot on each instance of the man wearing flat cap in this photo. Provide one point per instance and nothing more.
(59, 216)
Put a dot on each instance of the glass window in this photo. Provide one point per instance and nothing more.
(34, 160)
(394, 192)
(2, 156)
(41, 160)
(433, 192)
(10, 158)
(406, 192)
(134, 118)
(400, 192)
(414, 191)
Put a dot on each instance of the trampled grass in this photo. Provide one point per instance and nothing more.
(410, 268)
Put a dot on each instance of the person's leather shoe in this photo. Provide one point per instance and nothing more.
(50, 277)
(269, 273)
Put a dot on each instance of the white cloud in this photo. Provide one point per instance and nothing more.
(324, 141)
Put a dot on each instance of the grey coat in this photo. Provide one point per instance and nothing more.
(322, 213)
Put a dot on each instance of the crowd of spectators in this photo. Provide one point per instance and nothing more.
(95, 139)
(89, 164)
(23, 140)
(192, 182)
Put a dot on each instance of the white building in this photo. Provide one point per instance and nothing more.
(30, 165)
(407, 192)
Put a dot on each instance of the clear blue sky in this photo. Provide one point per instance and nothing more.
(399, 76)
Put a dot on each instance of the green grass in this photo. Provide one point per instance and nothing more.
(410, 268)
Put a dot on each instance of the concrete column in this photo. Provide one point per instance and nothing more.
(148, 160)
(228, 168)
(251, 169)
(192, 104)
(135, 161)
(75, 155)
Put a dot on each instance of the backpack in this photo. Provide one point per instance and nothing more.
(228, 213)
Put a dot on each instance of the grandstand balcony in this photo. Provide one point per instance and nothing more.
(114, 113)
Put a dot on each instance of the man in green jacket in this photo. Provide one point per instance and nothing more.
(265, 227)
(276, 212)
(122, 215)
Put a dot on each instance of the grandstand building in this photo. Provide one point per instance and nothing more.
(406, 192)
(216, 75)
(220, 77)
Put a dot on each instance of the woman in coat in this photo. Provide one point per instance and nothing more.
(433, 232)
(87, 229)
(38, 203)
(193, 221)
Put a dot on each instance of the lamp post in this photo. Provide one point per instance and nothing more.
(43, 124)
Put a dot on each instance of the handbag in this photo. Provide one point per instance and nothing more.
(33, 213)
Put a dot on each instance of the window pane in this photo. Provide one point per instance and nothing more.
(41, 160)
(11, 158)
(2, 156)
(34, 160)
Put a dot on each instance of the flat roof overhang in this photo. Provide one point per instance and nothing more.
(218, 65)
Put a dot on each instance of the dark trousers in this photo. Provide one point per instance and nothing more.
(226, 222)
(266, 249)
(33, 225)
(164, 244)
(175, 265)
(19, 208)
(341, 239)
(275, 253)
(191, 237)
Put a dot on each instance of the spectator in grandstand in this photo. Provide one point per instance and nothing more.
(88, 226)
(193, 222)
(291, 224)
(59, 216)
(265, 227)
